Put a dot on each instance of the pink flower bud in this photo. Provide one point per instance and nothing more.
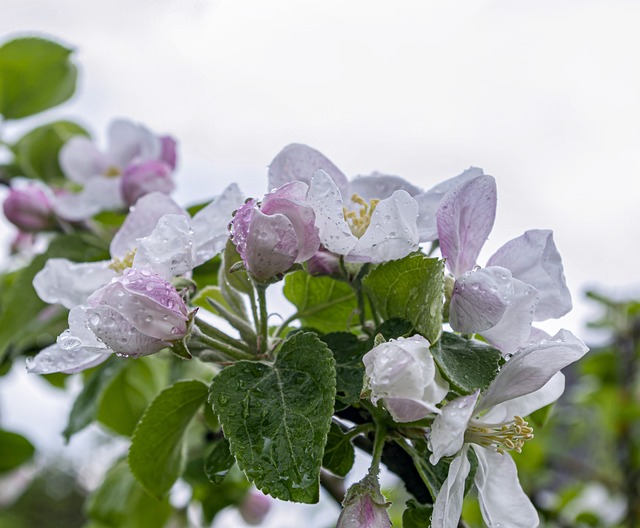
(144, 178)
(29, 209)
(137, 314)
(364, 506)
(254, 508)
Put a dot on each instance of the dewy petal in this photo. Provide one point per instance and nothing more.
(298, 162)
(514, 328)
(100, 193)
(131, 141)
(210, 224)
(326, 200)
(465, 218)
(380, 186)
(429, 202)
(532, 367)
(480, 299)
(141, 221)
(80, 160)
(392, 233)
(70, 283)
(168, 250)
(446, 436)
(533, 258)
(448, 504)
(502, 501)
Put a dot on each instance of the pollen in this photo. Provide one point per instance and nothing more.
(502, 437)
(126, 262)
(112, 171)
(359, 220)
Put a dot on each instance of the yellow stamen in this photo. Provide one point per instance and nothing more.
(506, 436)
(359, 220)
(111, 171)
(121, 265)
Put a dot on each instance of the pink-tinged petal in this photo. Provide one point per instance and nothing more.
(168, 152)
(502, 501)
(364, 506)
(326, 199)
(29, 206)
(392, 233)
(100, 193)
(119, 334)
(298, 162)
(324, 263)
(70, 283)
(210, 224)
(446, 436)
(513, 330)
(130, 141)
(404, 410)
(448, 504)
(141, 222)
(525, 405)
(144, 178)
(291, 201)
(465, 218)
(532, 367)
(480, 299)
(379, 186)
(533, 258)
(168, 250)
(80, 160)
(429, 202)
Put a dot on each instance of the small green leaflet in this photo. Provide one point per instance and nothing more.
(156, 456)
(277, 417)
(347, 351)
(339, 454)
(219, 461)
(15, 450)
(417, 515)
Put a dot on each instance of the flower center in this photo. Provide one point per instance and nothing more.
(112, 171)
(500, 437)
(359, 220)
(121, 265)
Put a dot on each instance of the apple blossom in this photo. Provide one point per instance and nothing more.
(143, 178)
(403, 374)
(364, 506)
(29, 206)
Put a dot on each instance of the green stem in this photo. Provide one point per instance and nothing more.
(212, 331)
(225, 348)
(240, 324)
(378, 445)
(263, 332)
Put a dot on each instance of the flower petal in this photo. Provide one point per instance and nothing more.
(99, 194)
(70, 283)
(80, 160)
(446, 436)
(298, 162)
(465, 218)
(130, 141)
(532, 367)
(533, 258)
(448, 505)
(380, 186)
(502, 501)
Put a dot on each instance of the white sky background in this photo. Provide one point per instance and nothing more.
(542, 95)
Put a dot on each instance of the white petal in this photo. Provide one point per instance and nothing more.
(532, 367)
(327, 203)
(70, 283)
(380, 186)
(448, 505)
(392, 233)
(168, 250)
(80, 160)
(100, 193)
(210, 224)
(502, 502)
(141, 221)
(130, 141)
(447, 431)
(533, 258)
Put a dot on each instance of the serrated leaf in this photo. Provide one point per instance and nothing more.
(467, 364)
(35, 74)
(348, 351)
(156, 456)
(219, 461)
(410, 288)
(322, 303)
(120, 502)
(417, 515)
(339, 454)
(277, 417)
(85, 407)
(15, 450)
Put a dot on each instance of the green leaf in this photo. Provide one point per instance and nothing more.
(156, 456)
(417, 515)
(323, 303)
(467, 364)
(129, 392)
(15, 450)
(35, 74)
(37, 152)
(85, 407)
(348, 351)
(238, 280)
(411, 288)
(120, 502)
(395, 328)
(219, 461)
(339, 454)
(277, 417)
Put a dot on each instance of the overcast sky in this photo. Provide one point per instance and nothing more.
(542, 95)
